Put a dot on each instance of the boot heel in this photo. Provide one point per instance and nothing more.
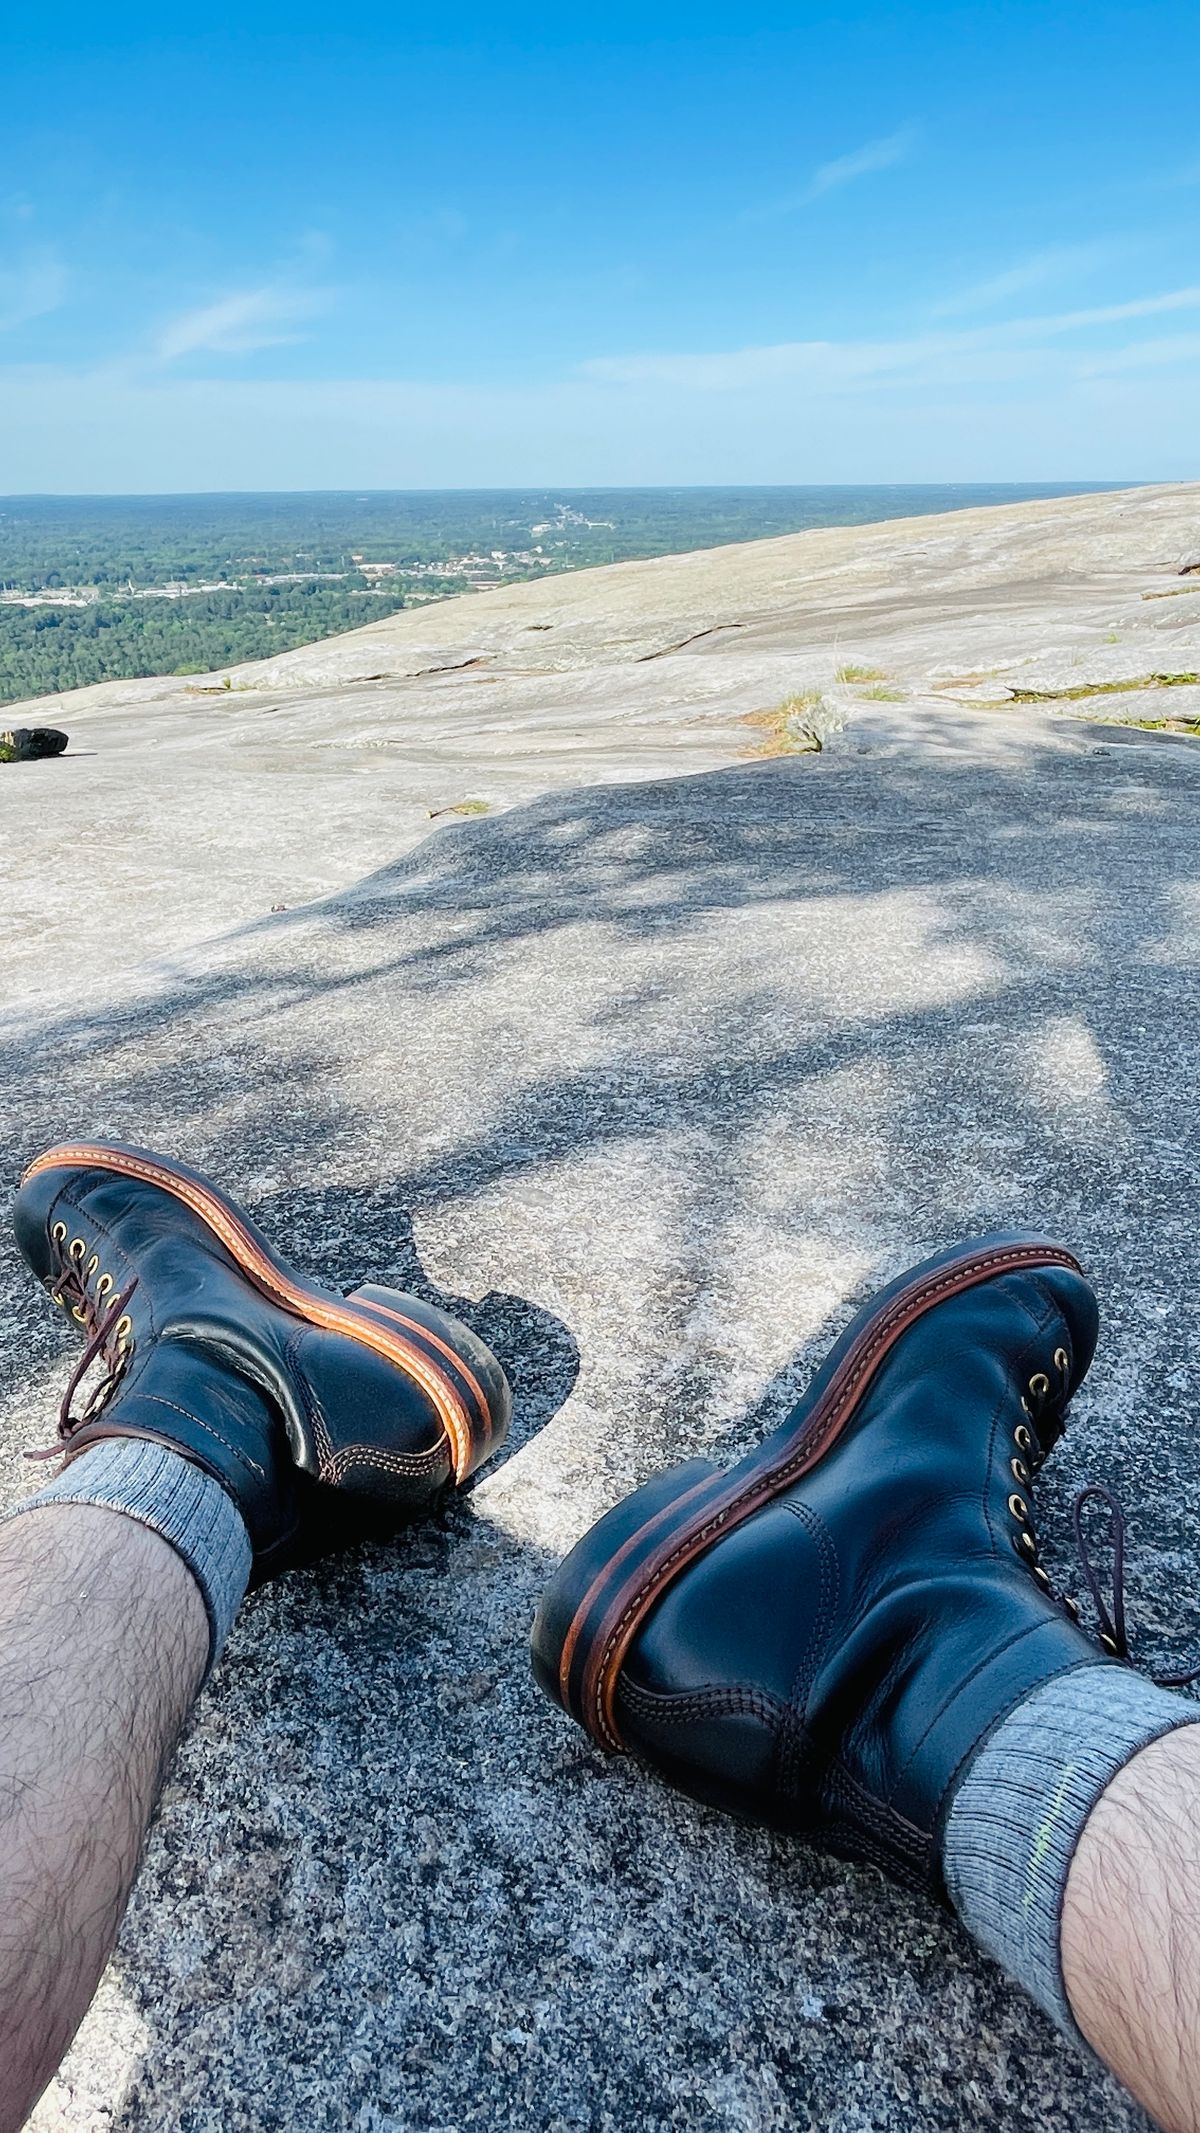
(575, 1608)
(457, 1354)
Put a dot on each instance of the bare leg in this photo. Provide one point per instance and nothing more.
(103, 1641)
(1131, 1928)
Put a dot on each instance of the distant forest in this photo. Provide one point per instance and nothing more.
(45, 649)
(254, 575)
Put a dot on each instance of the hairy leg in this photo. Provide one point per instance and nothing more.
(103, 1642)
(1131, 1928)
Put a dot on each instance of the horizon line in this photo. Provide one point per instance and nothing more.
(660, 488)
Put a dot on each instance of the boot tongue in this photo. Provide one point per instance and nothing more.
(1045, 1427)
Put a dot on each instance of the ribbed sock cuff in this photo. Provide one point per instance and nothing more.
(179, 1501)
(1019, 1812)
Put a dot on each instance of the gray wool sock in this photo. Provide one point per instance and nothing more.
(179, 1501)
(1019, 1811)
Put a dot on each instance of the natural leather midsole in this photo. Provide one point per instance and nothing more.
(782, 1461)
(293, 1295)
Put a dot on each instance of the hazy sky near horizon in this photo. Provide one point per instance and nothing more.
(322, 248)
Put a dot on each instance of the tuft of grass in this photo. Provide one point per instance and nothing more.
(1113, 637)
(790, 728)
(881, 693)
(461, 807)
(853, 673)
(8, 753)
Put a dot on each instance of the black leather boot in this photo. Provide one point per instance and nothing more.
(326, 1417)
(820, 1637)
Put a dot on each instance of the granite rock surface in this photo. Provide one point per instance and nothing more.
(186, 806)
(652, 1079)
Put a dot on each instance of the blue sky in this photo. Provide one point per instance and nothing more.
(391, 248)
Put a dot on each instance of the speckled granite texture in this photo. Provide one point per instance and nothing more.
(652, 1083)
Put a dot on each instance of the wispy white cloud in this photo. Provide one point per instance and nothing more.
(1110, 314)
(242, 322)
(862, 162)
(35, 285)
(733, 369)
(816, 367)
(1059, 262)
(843, 170)
(1009, 348)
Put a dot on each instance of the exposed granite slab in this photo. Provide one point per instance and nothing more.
(660, 1078)
(184, 807)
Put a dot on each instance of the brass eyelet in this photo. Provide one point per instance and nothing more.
(104, 1284)
(59, 1232)
(1022, 1437)
(1110, 1644)
(1071, 1607)
(1018, 1507)
(1062, 1360)
(1019, 1471)
(1028, 1543)
(93, 1263)
(124, 1327)
(1039, 1385)
(1042, 1576)
(56, 1296)
(81, 1316)
(78, 1249)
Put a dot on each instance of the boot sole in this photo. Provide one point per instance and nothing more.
(594, 1606)
(474, 1423)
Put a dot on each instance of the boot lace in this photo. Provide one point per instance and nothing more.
(1043, 1405)
(80, 1287)
(1113, 1630)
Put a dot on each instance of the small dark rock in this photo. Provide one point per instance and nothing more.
(29, 744)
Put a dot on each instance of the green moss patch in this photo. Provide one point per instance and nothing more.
(1166, 725)
(1098, 688)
